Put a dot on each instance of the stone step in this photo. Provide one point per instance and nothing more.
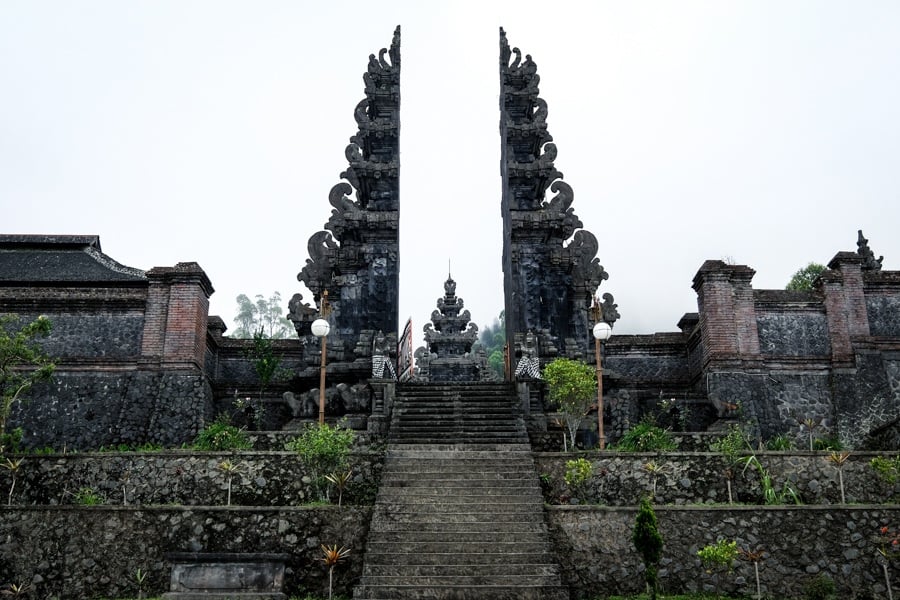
(457, 570)
(455, 592)
(460, 476)
(393, 515)
(511, 527)
(465, 450)
(430, 486)
(455, 558)
(446, 537)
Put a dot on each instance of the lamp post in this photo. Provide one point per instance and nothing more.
(320, 328)
(601, 332)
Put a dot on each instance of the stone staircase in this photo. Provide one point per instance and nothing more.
(459, 513)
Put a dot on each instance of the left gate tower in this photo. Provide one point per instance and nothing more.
(356, 258)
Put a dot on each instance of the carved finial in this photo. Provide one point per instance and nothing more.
(870, 263)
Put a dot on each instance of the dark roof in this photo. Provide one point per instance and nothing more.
(59, 259)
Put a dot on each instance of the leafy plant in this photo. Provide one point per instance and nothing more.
(13, 467)
(23, 363)
(573, 385)
(332, 556)
(780, 443)
(887, 469)
(828, 443)
(810, 425)
(222, 435)
(12, 441)
(323, 449)
(87, 496)
(733, 445)
(340, 481)
(719, 555)
(15, 590)
(820, 588)
(649, 544)
(771, 496)
(140, 577)
(646, 436)
(578, 472)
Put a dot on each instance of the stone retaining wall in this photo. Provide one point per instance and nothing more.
(798, 543)
(621, 478)
(180, 477)
(77, 553)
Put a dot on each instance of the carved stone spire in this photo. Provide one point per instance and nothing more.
(356, 258)
(550, 268)
(870, 263)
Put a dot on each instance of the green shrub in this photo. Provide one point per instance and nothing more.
(222, 435)
(649, 544)
(11, 441)
(646, 437)
(721, 554)
(887, 469)
(323, 450)
(780, 443)
(578, 471)
(86, 496)
(820, 588)
(827, 443)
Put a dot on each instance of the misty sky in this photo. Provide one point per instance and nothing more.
(760, 132)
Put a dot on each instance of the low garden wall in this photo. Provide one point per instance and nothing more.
(798, 545)
(181, 477)
(80, 553)
(623, 478)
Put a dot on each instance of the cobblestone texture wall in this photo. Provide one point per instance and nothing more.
(700, 477)
(798, 543)
(88, 410)
(80, 553)
(884, 315)
(793, 334)
(181, 477)
(112, 335)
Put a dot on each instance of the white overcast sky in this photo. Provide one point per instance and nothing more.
(763, 132)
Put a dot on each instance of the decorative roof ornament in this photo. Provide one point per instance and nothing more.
(870, 263)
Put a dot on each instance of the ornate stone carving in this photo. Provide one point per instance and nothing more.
(550, 267)
(449, 338)
(356, 257)
(870, 263)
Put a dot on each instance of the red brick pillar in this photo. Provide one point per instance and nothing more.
(728, 327)
(176, 316)
(845, 305)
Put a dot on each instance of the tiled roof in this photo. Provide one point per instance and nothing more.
(59, 258)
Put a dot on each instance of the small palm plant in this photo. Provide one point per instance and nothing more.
(15, 590)
(340, 481)
(230, 469)
(13, 467)
(754, 556)
(839, 459)
(140, 576)
(332, 556)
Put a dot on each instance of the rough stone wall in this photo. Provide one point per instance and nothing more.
(681, 478)
(180, 477)
(87, 410)
(884, 315)
(793, 334)
(800, 544)
(113, 334)
(81, 553)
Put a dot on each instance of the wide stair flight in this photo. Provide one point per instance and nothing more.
(459, 513)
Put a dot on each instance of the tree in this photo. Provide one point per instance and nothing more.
(649, 543)
(573, 385)
(23, 362)
(492, 340)
(261, 316)
(802, 280)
